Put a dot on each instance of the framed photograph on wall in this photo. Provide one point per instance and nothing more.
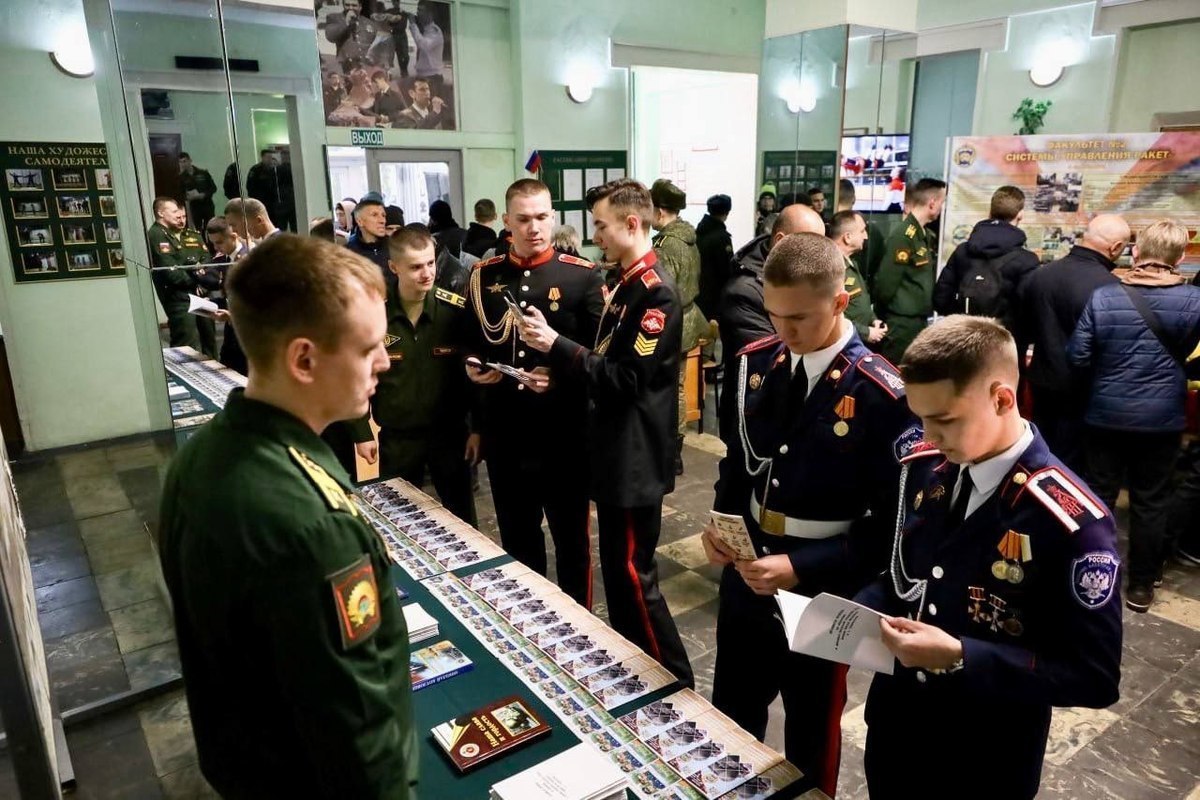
(24, 180)
(108, 206)
(387, 64)
(116, 259)
(29, 207)
(40, 262)
(74, 205)
(67, 179)
(83, 261)
(78, 233)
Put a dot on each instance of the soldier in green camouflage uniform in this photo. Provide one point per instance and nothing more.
(173, 245)
(904, 285)
(293, 645)
(675, 246)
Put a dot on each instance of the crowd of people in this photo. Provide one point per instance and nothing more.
(874, 413)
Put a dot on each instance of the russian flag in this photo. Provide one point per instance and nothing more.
(534, 164)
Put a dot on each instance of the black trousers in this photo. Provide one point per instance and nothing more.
(1183, 524)
(1144, 463)
(409, 457)
(1059, 418)
(527, 486)
(636, 608)
(754, 665)
(207, 330)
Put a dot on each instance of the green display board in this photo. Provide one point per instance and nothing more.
(570, 173)
(60, 214)
(795, 171)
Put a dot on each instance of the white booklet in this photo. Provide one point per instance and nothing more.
(836, 629)
(202, 307)
(731, 530)
(580, 773)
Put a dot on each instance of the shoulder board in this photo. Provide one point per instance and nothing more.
(490, 261)
(337, 498)
(881, 371)
(579, 262)
(760, 344)
(911, 445)
(456, 300)
(1068, 502)
(650, 279)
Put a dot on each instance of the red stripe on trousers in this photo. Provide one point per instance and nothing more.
(637, 586)
(833, 731)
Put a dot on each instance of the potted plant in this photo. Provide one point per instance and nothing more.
(1032, 115)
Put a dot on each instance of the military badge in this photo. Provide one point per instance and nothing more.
(356, 599)
(653, 321)
(555, 293)
(444, 351)
(841, 428)
(910, 231)
(901, 256)
(456, 300)
(912, 444)
(845, 407)
(643, 345)
(964, 156)
(389, 340)
(335, 496)
(164, 247)
(579, 262)
(496, 288)
(396, 356)
(1067, 502)
(756, 381)
(650, 279)
(937, 492)
(1094, 578)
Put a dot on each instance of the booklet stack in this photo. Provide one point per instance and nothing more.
(421, 625)
(576, 774)
(436, 663)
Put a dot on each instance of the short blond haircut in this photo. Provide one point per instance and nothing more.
(959, 348)
(295, 286)
(806, 258)
(1163, 241)
(245, 208)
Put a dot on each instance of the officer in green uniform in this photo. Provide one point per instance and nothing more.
(293, 646)
(848, 230)
(422, 403)
(174, 245)
(675, 246)
(904, 286)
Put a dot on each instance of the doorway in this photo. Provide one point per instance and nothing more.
(164, 163)
(410, 179)
(676, 135)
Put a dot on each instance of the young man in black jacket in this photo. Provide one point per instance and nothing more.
(716, 253)
(983, 274)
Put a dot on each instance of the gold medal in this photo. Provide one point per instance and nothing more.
(1000, 570)
(755, 381)
(1013, 626)
(554, 306)
(917, 501)
(840, 428)
(1015, 574)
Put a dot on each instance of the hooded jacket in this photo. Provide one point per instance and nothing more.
(992, 240)
(741, 319)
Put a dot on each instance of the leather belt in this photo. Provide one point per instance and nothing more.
(776, 524)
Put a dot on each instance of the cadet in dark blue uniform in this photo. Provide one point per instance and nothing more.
(1003, 584)
(631, 370)
(532, 432)
(812, 470)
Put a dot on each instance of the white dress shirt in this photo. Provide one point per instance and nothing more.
(816, 362)
(986, 475)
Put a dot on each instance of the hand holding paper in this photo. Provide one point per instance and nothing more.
(835, 629)
(730, 531)
(202, 307)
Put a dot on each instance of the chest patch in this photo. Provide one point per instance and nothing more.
(356, 600)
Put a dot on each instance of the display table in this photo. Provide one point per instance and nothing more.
(524, 637)
(197, 386)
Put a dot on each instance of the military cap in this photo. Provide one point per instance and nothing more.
(667, 196)
(719, 204)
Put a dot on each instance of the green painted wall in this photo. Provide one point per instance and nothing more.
(1166, 56)
(815, 61)
(877, 97)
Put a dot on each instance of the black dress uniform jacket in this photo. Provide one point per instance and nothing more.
(633, 376)
(567, 290)
(831, 460)
(1043, 631)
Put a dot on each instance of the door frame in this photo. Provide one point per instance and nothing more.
(405, 155)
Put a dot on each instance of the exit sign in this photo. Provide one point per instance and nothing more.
(366, 137)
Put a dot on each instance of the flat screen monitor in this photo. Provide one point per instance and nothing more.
(877, 165)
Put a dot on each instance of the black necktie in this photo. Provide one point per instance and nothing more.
(798, 388)
(958, 511)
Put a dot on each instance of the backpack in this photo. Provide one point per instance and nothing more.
(982, 289)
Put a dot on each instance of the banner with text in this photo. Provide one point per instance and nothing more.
(1067, 180)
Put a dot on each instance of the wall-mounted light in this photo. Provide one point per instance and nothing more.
(1046, 73)
(800, 97)
(73, 55)
(579, 91)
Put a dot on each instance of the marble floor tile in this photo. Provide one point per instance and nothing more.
(152, 665)
(854, 728)
(1130, 762)
(121, 553)
(142, 625)
(706, 442)
(668, 568)
(1176, 608)
(83, 464)
(1161, 642)
(1139, 680)
(119, 768)
(686, 591)
(106, 726)
(99, 531)
(44, 504)
(134, 584)
(680, 525)
(688, 551)
(66, 593)
(698, 629)
(129, 457)
(93, 495)
(187, 784)
(76, 618)
(55, 541)
(168, 729)
(1173, 712)
(85, 667)
(1072, 729)
(858, 683)
(702, 669)
(60, 570)
(852, 777)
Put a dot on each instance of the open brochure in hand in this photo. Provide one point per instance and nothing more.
(836, 629)
(202, 307)
(475, 737)
(731, 530)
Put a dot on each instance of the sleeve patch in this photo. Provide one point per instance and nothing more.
(579, 262)
(759, 344)
(650, 279)
(653, 321)
(644, 345)
(356, 601)
(911, 445)
(901, 256)
(456, 300)
(337, 498)
(1094, 578)
(164, 247)
(1069, 504)
(881, 371)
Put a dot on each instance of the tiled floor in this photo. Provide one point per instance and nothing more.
(107, 630)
